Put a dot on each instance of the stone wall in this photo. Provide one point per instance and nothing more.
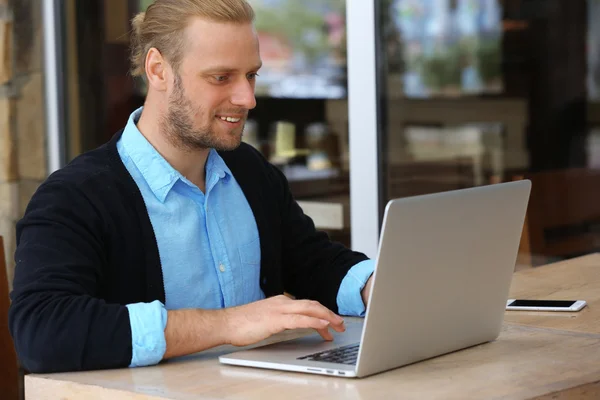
(22, 116)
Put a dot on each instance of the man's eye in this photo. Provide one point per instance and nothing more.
(252, 76)
(221, 78)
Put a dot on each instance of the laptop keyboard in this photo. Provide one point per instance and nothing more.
(341, 355)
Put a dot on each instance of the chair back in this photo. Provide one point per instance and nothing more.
(563, 216)
(9, 368)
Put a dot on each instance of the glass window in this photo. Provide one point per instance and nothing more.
(300, 121)
(485, 91)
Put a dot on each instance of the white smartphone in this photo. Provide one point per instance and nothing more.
(545, 305)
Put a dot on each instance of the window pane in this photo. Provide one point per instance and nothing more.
(486, 91)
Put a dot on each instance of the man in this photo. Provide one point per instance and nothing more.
(174, 237)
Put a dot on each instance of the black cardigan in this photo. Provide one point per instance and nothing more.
(86, 248)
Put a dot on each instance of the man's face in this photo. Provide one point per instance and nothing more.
(213, 90)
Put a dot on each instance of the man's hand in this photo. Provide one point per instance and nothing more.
(251, 323)
(366, 291)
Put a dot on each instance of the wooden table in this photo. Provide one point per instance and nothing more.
(537, 356)
(577, 279)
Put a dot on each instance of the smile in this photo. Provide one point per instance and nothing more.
(230, 119)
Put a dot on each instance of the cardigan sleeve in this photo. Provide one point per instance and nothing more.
(313, 265)
(56, 319)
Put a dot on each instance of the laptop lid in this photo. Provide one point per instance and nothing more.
(444, 267)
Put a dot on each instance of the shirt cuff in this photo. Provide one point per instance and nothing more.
(148, 322)
(349, 299)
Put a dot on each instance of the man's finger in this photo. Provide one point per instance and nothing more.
(325, 334)
(299, 321)
(312, 309)
(338, 327)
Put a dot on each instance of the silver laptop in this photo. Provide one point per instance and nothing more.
(442, 276)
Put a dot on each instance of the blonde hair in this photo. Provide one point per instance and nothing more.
(161, 26)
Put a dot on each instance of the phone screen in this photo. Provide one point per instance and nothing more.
(542, 303)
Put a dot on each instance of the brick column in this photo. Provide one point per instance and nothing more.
(22, 115)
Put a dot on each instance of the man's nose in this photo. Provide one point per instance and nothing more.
(243, 95)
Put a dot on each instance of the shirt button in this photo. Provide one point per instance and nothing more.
(221, 268)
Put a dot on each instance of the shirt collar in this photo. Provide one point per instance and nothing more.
(157, 172)
(216, 165)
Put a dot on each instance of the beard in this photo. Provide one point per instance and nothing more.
(178, 125)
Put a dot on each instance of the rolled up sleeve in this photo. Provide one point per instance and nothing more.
(148, 322)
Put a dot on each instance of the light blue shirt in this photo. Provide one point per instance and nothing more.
(208, 244)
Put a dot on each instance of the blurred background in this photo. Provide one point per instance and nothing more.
(461, 93)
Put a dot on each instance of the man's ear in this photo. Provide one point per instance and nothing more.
(156, 70)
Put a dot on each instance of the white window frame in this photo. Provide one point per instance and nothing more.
(53, 78)
(363, 126)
